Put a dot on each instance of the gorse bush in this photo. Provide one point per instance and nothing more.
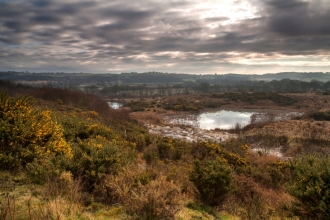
(94, 158)
(310, 185)
(75, 127)
(203, 149)
(213, 179)
(27, 132)
(44, 169)
(166, 149)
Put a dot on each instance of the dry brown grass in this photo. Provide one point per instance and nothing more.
(253, 201)
(59, 199)
(142, 193)
(261, 162)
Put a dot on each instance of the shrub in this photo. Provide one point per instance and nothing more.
(267, 170)
(150, 155)
(170, 149)
(213, 179)
(27, 132)
(144, 195)
(203, 149)
(321, 116)
(43, 169)
(138, 139)
(95, 157)
(310, 186)
(165, 149)
(249, 195)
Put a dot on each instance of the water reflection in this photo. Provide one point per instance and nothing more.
(115, 105)
(223, 119)
(228, 119)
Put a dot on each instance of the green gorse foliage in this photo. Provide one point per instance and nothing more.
(310, 185)
(213, 179)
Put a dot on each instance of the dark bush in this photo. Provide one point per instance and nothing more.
(213, 179)
(310, 186)
(321, 116)
(253, 98)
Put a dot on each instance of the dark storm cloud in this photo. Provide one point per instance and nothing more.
(15, 25)
(46, 19)
(296, 18)
(286, 5)
(41, 3)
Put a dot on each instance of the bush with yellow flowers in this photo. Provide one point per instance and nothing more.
(27, 132)
(204, 149)
(310, 186)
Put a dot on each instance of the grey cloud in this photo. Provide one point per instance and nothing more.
(9, 41)
(15, 25)
(114, 32)
(41, 3)
(216, 19)
(286, 4)
(296, 18)
(46, 19)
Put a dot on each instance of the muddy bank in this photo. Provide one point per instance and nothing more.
(189, 134)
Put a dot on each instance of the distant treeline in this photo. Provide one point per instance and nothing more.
(167, 84)
(156, 77)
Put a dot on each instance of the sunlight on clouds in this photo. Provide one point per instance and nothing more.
(170, 64)
(172, 54)
(202, 54)
(140, 57)
(234, 10)
(283, 60)
(104, 23)
(87, 62)
(176, 36)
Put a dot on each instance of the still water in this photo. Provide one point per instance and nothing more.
(225, 119)
(115, 105)
(210, 120)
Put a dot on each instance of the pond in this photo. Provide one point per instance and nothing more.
(226, 119)
(115, 105)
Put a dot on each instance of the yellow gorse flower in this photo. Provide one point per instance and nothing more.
(34, 130)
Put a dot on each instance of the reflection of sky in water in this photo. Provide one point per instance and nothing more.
(228, 119)
(223, 119)
(115, 105)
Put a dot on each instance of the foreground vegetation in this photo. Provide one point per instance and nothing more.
(67, 155)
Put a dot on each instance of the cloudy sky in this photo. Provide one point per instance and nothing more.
(183, 36)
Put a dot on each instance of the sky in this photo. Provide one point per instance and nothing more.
(175, 36)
